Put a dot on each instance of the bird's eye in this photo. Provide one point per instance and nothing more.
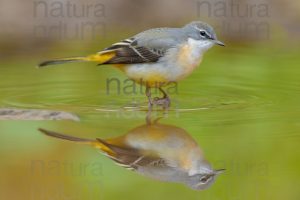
(204, 179)
(202, 33)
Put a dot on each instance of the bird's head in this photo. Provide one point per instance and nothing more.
(202, 33)
(203, 177)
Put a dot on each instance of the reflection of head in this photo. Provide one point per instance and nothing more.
(202, 181)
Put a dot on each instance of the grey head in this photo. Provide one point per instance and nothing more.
(201, 31)
(204, 178)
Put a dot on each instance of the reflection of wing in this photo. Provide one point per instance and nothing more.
(131, 158)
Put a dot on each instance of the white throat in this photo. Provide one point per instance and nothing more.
(199, 47)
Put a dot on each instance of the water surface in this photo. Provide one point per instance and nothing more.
(242, 108)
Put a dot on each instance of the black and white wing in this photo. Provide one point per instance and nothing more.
(128, 52)
(132, 159)
(146, 47)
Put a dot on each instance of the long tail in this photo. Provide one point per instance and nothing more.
(99, 144)
(100, 58)
(65, 137)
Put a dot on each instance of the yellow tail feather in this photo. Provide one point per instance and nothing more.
(100, 58)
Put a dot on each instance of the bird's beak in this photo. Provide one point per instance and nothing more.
(219, 171)
(219, 43)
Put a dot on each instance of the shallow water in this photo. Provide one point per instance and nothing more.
(241, 107)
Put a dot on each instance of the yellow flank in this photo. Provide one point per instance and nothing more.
(151, 79)
(156, 80)
(120, 67)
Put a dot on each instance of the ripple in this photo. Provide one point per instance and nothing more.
(77, 96)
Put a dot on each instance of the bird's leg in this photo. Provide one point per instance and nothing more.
(148, 94)
(167, 100)
(148, 117)
(164, 101)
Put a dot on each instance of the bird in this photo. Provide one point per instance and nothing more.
(155, 57)
(159, 151)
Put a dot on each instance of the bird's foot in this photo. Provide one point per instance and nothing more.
(165, 102)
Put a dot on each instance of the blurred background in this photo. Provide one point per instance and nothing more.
(241, 105)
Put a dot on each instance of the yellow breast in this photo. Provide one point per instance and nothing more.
(187, 59)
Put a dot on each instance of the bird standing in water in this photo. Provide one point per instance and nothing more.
(158, 151)
(156, 57)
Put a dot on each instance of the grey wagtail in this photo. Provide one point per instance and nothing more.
(156, 57)
(162, 152)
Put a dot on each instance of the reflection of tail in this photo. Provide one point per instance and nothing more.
(100, 58)
(122, 155)
(66, 137)
(99, 144)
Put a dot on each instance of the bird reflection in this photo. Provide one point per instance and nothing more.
(159, 151)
